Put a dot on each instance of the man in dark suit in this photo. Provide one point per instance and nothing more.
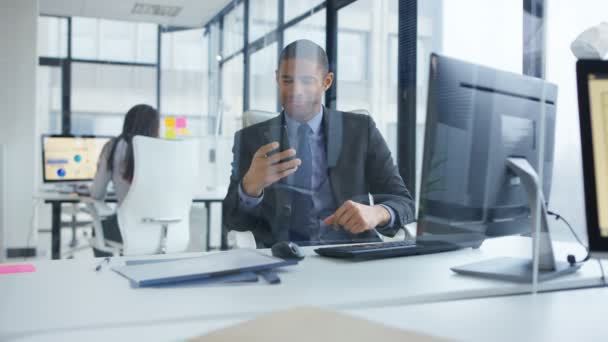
(306, 175)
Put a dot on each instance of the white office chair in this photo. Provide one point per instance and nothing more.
(154, 216)
(236, 239)
(359, 111)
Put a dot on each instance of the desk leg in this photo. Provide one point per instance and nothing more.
(208, 218)
(56, 231)
(223, 234)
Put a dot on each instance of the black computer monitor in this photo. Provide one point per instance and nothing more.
(489, 134)
(592, 80)
(477, 118)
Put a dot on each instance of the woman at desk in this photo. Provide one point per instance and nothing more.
(116, 162)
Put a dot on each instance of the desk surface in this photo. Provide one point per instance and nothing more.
(67, 296)
(577, 315)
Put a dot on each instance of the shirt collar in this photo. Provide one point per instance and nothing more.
(314, 123)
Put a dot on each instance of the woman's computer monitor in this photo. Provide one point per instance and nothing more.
(67, 158)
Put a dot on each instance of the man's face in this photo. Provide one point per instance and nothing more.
(302, 83)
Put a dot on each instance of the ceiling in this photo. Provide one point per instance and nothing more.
(191, 13)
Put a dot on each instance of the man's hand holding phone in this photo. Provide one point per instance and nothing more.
(268, 168)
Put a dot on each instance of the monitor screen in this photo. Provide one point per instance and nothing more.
(70, 158)
(478, 118)
(598, 105)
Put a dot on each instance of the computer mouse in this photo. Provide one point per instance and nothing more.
(287, 250)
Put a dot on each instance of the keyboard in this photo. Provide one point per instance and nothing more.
(379, 250)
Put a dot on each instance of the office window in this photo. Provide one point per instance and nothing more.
(184, 78)
(48, 100)
(354, 55)
(263, 18)
(294, 8)
(471, 30)
(367, 56)
(490, 35)
(312, 28)
(102, 95)
(232, 96)
(565, 20)
(114, 40)
(262, 85)
(232, 34)
(52, 37)
(214, 97)
(498, 44)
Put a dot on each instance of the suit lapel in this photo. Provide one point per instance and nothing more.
(334, 132)
(333, 129)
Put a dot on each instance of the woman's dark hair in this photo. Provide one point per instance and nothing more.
(140, 120)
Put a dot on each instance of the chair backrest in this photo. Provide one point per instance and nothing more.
(360, 111)
(251, 117)
(163, 187)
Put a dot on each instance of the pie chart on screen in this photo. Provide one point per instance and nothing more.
(61, 172)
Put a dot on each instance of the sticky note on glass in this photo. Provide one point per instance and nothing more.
(170, 122)
(170, 133)
(183, 131)
(181, 123)
(18, 268)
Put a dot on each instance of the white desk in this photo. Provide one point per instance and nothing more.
(577, 315)
(68, 297)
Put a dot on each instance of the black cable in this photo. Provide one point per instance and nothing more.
(571, 258)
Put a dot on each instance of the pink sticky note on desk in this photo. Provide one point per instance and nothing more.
(19, 268)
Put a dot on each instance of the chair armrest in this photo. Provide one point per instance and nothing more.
(98, 209)
(164, 222)
(236, 239)
(402, 234)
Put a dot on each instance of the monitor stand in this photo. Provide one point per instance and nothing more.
(518, 269)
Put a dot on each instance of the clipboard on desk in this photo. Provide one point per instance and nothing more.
(209, 266)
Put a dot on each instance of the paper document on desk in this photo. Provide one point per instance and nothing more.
(204, 267)
(311, 324)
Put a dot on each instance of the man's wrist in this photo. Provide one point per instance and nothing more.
(384, 216)
(251, 190)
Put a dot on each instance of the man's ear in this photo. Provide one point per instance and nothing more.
(276, 76)
(328, 80)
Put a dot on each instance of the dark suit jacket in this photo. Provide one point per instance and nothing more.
(359, 163)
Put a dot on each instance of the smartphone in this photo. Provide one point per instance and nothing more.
(281, 148)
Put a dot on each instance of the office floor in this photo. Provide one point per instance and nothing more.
(43, 239)
(43, 246)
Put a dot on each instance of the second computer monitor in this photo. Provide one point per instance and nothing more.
(70, 158)
(477, 118)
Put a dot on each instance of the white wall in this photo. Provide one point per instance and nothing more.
(2, 203)
(18, 61)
